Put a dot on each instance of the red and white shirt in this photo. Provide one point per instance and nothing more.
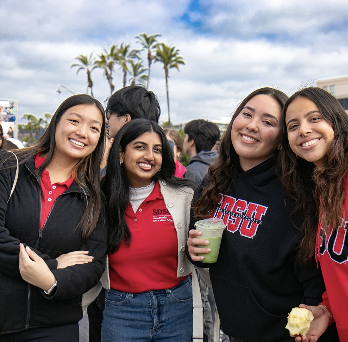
(150, 262)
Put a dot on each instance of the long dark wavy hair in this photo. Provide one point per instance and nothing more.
(222, 173)
(86, 170)
(115, 184)
(318, 189)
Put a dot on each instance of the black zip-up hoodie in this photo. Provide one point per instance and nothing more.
(23, 306)
(257, 279)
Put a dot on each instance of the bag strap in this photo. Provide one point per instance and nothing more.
(16, 177)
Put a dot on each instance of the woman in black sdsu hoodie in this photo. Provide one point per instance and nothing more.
(257, 278)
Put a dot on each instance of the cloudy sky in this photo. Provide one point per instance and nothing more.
(230, 48)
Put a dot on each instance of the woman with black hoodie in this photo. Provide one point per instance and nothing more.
(257, 278)
(52, 242)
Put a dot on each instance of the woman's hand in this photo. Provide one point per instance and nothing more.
(73, 258)
(192, 243)
(34, 270)
(318, 325)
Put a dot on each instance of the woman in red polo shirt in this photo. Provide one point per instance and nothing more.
(49, 224)
(150, 295)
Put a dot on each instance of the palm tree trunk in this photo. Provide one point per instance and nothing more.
(149, 61)
(124, 77)
(112, 87)
(167, 89)
(148, 80)
(89, 81)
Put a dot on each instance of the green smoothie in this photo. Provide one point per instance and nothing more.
(214, 245)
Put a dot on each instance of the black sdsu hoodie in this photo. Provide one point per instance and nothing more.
(257, 279)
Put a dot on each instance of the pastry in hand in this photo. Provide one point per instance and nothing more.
(299, 320)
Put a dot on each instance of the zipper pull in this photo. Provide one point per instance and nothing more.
(40, 234)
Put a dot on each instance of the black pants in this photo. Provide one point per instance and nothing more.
(95, 317)
(65, 333)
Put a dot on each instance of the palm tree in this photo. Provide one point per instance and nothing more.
(169, 56)
(86, 63)
(137, 73)
(106, 62)
(123, 55)
(33, 126)
(48, 117)
(148, 42)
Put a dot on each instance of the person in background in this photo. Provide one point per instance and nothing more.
(53, 237)
(174, 135)
(200, 137)
(216, 147)
(315, 172)
(258, 277)
(150, 295)
(5, 144)
(129, 103)
(180, 170)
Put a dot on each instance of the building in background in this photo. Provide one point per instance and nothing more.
(338, 87)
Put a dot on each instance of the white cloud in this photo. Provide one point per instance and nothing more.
(241, 45)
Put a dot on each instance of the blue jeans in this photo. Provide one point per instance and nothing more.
(160, 315)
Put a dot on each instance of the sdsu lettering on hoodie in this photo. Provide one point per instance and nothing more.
(333, 258)
(257, 280)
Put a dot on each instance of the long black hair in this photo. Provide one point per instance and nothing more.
(87, 169)
(115, 184)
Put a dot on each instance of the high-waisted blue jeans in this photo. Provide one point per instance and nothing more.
(160, 315)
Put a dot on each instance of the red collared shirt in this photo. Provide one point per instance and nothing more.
(151, 260)
(50, 192)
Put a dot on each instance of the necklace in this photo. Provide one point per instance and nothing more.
(142, 188)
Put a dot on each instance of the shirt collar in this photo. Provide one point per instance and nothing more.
(39, 161)
(155, 194)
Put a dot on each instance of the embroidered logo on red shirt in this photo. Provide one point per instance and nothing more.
(161, 215)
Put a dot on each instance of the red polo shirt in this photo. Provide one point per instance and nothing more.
(150, 262)
(50, 191)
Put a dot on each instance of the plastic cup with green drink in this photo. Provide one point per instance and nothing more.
(212, 229)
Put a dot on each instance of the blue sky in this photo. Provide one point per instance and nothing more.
(230, 48)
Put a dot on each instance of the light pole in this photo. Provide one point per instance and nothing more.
(67, 88)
